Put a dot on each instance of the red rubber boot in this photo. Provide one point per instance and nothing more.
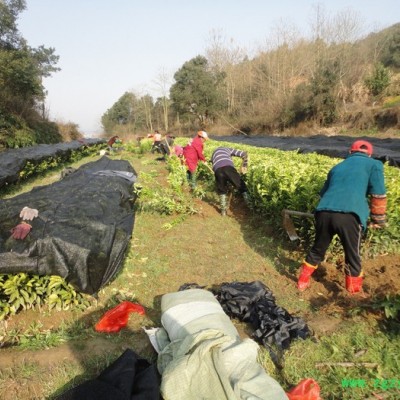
(304, 279)
(354, 284)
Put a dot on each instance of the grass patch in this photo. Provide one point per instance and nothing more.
(392, 102)
(354, 353)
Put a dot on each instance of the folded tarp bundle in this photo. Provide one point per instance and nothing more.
(205, 357)
(84, 225)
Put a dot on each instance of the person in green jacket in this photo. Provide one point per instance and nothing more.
(353, 192)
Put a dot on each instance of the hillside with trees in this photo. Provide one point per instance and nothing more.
(341, 76)
(23, 116)
(293, 85)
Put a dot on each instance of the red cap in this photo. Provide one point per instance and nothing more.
(363, 146)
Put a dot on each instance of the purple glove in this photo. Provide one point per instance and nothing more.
(21, 231)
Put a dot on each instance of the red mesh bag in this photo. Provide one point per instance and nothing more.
(307, 389)
(117, 318)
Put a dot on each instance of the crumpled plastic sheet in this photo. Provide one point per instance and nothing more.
(253, 302)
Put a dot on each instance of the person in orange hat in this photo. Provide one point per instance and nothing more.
(193, 153)
(353, 192)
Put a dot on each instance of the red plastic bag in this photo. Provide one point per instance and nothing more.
(307, 389)
(116, 318)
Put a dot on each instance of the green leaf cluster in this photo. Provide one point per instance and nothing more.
(378, 80)
(173, 199)
(391, 306)
(26, 291)
(138, 148)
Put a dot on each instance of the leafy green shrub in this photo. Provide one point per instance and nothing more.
(46, 132)
(378, 81)
(16, 132)
(387, 239)
(142, 147)
(391, 306)
(177, 173)
(82, 152)
(278, 180)
(299, 107)
(132, 147)
(323, 84)
(25, 291)
(22, 138)
(173, 199)
(155, 198)
(20, 133)
(145, 145)
(32, 169)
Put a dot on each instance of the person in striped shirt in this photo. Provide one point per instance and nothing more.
(225, 173)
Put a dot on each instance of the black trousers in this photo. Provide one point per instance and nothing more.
(164, 149)
(348, 228)
(227, 174)
(156, 147)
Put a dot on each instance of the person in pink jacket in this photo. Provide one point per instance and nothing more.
(193, 153)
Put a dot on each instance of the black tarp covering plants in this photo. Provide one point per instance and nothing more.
(84, 226)
(386, 150)
(13, 161)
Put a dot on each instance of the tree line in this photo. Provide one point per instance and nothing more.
(291, 81)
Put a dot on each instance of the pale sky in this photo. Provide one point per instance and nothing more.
(109, 47)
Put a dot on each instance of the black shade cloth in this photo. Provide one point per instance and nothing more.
(128, 378)
(84, 226)
(253, 302)
(13, 161)
(385, 150)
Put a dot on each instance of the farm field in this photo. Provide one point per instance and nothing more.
(202, 247)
